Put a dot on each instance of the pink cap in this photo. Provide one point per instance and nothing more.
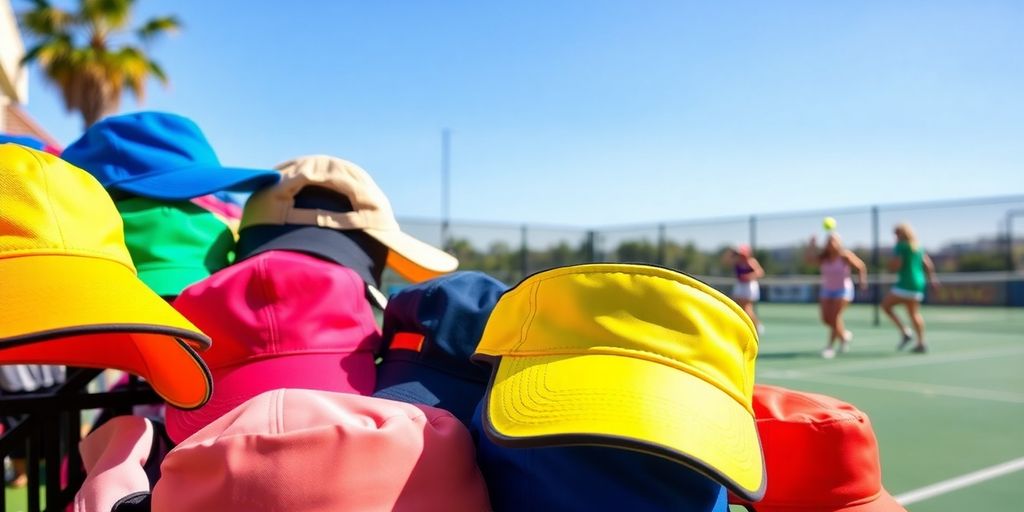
(114, 456)
(279, 320)
(294, 449)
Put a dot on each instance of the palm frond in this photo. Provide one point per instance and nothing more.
(49, 50)
(104, 16)
(46, 20)
(158, 72)
(155, 27)
(130, 67)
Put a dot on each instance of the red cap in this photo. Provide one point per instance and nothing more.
(279, 320)
(820, 454)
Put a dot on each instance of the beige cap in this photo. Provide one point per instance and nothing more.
(371, 212)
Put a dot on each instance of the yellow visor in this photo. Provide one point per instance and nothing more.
(94, 312)
(628, 356)
(628, 403)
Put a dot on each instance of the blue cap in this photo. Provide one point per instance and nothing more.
(159, 156)
(432, 329)
(590, 478)
(28, 142)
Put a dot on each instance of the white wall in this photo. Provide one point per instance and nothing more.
(13, 78)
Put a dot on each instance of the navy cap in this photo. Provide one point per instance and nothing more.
(432, 329)
(590, 478)
(159, 156)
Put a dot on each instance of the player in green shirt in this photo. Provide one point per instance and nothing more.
(915, 271)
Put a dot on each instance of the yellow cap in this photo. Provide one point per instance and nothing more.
(68, 290)
(630, 356)
(371, 212)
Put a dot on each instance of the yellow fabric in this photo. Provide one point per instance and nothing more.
(52, 292)
(616, 352)
(51, 206)
(66, 276)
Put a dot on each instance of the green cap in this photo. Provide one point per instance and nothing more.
(174, 244)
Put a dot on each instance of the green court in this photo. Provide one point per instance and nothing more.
(948, 422)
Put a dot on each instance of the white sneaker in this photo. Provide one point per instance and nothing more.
(760, 329)
(904, 341)
(847, 335)
(828, 353)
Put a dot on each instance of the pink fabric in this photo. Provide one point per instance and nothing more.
(228, 213)
(835, 274)
(220, 207)
(114, 456)
(279, 320)
(307, 450)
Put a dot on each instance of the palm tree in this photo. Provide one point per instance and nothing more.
(77, 50)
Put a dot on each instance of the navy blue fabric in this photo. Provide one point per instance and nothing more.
(160, 156)
(591, 478)
(450, 312)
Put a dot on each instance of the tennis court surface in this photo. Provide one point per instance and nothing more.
(949, 423)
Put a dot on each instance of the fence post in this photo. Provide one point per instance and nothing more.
(591, 246)
(33, 453)
(753, 233)
(1010, 263)
(876, 266)
(661, 246)
(753, 245)
(524, 253)
(445, 189)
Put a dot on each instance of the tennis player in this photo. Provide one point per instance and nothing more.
(746, 291)
(915, 271)
(835, 263)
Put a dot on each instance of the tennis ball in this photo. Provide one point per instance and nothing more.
(829, 223)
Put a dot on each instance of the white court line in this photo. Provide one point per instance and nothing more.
(803, 346)
(953, 484)
(895, 385)
(918, 360)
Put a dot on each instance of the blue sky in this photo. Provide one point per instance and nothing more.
(591, 112)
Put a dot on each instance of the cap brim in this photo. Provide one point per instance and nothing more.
(411, 382)
(412, 259)
(192, 182)
(883, 502)
(628, 403)
(351, 372)
(93, 312)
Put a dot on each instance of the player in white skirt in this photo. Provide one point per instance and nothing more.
(746, 291)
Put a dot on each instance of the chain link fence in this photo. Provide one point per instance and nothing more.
(978, 243)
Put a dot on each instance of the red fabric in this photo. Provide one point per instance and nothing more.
(407, 341)
(820, 454)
